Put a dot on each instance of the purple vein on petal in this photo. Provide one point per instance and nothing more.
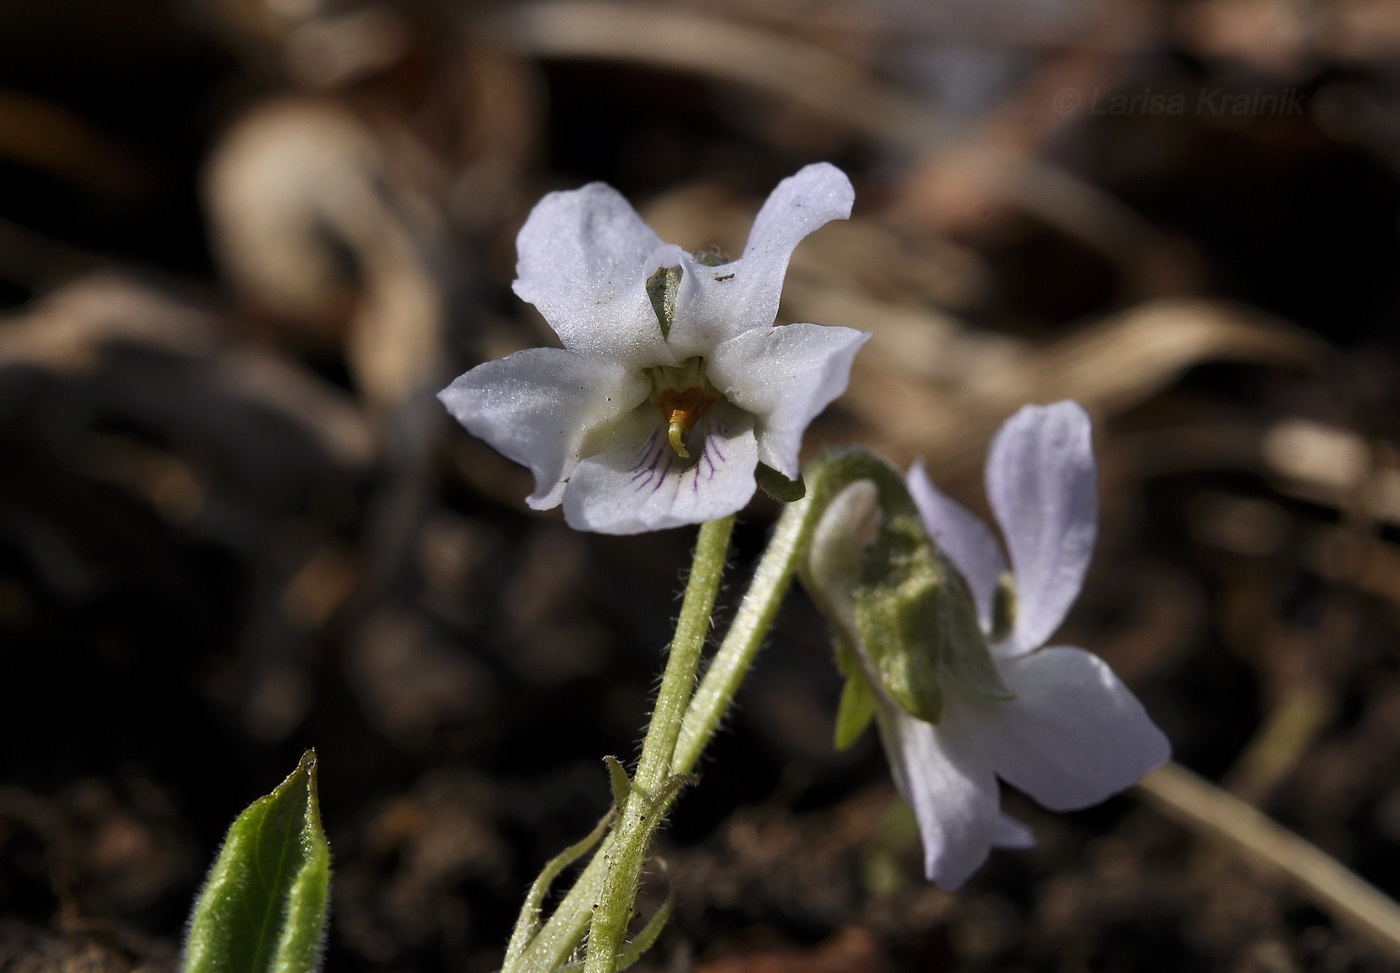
(650, 455)
(664, 473)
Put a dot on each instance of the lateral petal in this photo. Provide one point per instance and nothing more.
(637, 483)
(949, 783)
(1074, 734)
(583, 260)
(544, 408)
(963, 537)
(1041, 481)
(785, 376)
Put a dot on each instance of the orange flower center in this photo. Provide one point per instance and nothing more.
(681, 408)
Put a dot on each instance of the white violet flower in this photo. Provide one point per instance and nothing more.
(1073, 734)
(673, 383)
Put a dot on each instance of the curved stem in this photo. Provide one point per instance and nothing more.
(683, 724)
(652, 787)
(826, 476)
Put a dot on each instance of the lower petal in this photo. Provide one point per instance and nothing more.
(949, 783)
(785, 376)
(543, 408)
(637, 482)
(1074, 735)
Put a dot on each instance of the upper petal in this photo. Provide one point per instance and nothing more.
(949, 783)
(1041, 481)
(717, 303)
(785, 376)
(583, 260)
(817, 194)
(544, 408)
(963, 537)
(1074, 734)
(637, 483)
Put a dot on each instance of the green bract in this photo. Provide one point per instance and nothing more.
(263, 907)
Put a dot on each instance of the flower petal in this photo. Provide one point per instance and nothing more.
(583, 259)
(1074, 734)
(785, 376)
(801, 203)
(637, 482)
(1012, 833)
(544, 408)
(949, 783)
(1041, 481)
(963, 537)
(717, 303)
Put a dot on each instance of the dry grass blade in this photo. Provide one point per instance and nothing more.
(941, 389)
(831, 86)
(1183, 795)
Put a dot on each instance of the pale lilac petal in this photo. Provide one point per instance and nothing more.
(1074, 734)
(544, 408)
(785, 376)
(1041, 481)
(583, 259)
(963, 537)
(637, 482)
(1013, 834)
(717, 303)
(949, 783)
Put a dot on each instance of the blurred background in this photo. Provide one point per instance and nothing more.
(243, 242)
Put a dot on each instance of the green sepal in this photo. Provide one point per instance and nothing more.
(1004, 607)
(779, 487)
(966, 656)
(855, 711)
(263, 907)
(897, 614)
(857, 706)
(662, 288)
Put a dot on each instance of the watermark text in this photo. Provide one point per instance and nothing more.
(1217, 101)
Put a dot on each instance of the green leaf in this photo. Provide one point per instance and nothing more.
(779, 487)
(263, 907)
(662, 288)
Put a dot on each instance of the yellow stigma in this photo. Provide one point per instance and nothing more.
(680, 408)
(675, 429)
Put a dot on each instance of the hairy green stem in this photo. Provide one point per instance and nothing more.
(825, 477)
(653, 787)
(684, 723)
